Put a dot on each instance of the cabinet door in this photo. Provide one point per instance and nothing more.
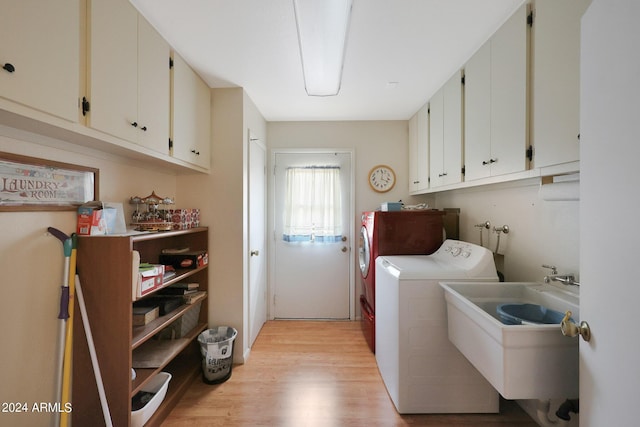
(153, 88)
(41, 40)
(419, 150)
(191, 115)
(452, 146)
(509, 132)
(436, 139)
(556, 80)
(422, 151)
(113, 69)
(413, 153)
(477, 114)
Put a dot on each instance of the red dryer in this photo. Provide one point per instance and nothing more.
(410, 232)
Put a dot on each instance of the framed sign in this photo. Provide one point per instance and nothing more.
(32, 184)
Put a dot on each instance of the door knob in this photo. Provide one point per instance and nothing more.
(344, 238)
(255, 253)
(344, 249)
(570, 329)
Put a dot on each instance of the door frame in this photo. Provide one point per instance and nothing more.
(350, 233)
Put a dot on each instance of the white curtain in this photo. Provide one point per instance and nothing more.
(313, 204)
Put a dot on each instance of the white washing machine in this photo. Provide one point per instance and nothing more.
(422, 370)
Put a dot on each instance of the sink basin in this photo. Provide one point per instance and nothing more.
(526, 358)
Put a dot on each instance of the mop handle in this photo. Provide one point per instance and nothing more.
(66, 240)
(94, 357)
(64, 303)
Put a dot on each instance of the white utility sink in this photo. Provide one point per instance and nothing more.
(527, 361)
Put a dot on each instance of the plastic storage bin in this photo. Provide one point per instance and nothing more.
(216, 347)
(158, 386)
(522, 313)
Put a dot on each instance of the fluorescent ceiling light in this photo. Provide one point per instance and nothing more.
(322, 35)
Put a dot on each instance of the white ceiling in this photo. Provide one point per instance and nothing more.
(253, 44)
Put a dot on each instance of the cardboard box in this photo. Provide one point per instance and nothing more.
(184, 219)
(150, 279)
(92, 220)
(186, 259)
(391, 206)
(144, 315)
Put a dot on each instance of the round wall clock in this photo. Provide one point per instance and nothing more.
(382, 178)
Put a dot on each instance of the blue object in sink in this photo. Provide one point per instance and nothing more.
(519, 313)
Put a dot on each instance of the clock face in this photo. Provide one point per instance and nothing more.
(382, 178)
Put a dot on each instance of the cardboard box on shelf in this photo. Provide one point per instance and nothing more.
(184, 219)
(100, 218)
(150, 278)
(193, 259)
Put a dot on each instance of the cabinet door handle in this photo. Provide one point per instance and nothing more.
(484, 162)
(134, 124)
(9, 67)
(144, 128)
(197, 153)
(442, 174)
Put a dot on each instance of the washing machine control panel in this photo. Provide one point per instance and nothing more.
(463, 254)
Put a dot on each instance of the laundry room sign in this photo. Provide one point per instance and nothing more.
(29, 183)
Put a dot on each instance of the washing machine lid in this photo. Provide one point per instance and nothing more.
(454, 260)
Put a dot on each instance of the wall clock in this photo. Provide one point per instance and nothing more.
(382, 178)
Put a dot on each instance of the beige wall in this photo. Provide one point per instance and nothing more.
(31, 262)
(541, 232)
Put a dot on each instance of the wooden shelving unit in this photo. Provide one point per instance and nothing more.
(105, 269)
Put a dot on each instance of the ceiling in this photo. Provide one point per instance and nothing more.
(399, 52)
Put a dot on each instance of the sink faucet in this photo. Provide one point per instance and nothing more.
(567, 279)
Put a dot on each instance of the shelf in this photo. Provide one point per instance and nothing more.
(152, 235)
(105, 266)
(143, 333)
(185, 369)
(164, 351)
(181, 274)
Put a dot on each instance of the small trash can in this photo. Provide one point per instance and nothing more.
(216, 346)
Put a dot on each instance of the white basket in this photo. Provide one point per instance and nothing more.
(158, 385)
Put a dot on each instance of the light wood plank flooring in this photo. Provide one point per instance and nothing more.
(308, 374)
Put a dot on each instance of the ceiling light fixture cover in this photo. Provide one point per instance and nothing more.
(322, 35)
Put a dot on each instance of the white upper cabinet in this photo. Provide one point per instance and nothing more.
(556, 80)
(419, 151)
(154, 87)
(445, 134)
(40, 55)
(128, 75)
(191, 115)
(509, 101)
(496, 113)
(477, 114)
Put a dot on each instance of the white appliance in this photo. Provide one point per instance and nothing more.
(422, 370)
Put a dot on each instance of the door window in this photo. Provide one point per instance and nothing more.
(313, 205)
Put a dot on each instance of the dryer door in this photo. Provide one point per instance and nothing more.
(364, 252)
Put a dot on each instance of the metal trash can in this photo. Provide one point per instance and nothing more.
(216, 347)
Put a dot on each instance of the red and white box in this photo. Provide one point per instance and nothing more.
(184, 219)
(150, 279)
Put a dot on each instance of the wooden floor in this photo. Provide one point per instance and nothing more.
(308, 374)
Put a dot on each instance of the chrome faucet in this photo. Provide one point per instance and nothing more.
(567, 279)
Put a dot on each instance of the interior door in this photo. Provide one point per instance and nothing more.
(257, 238)
(312, 277)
